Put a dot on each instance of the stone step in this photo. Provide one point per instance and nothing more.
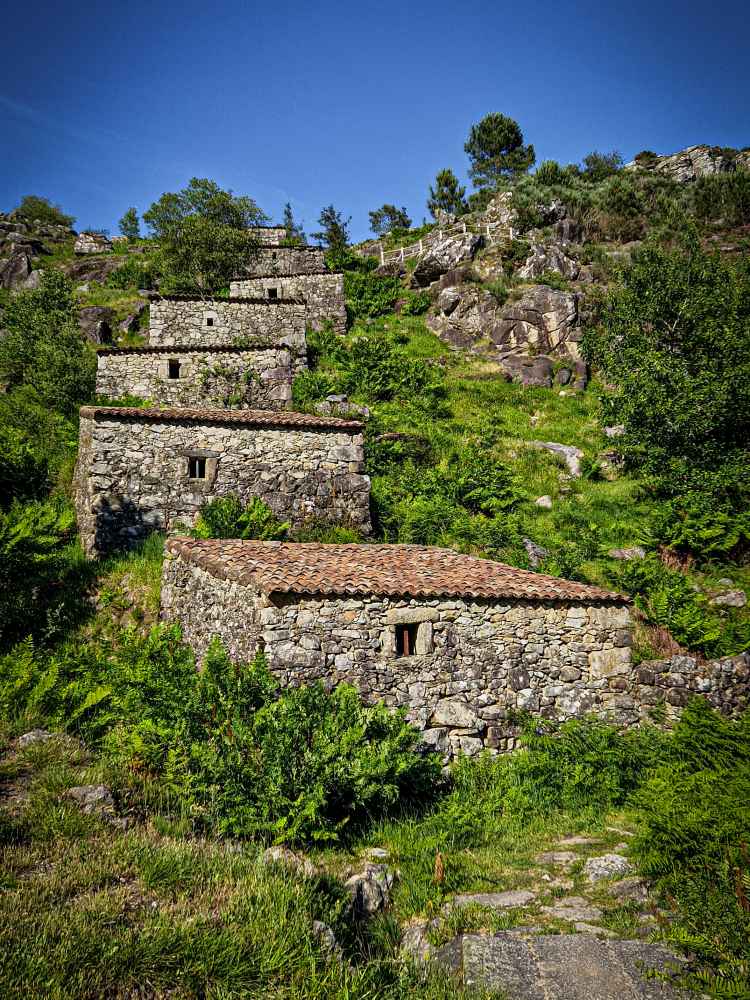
(561, 966)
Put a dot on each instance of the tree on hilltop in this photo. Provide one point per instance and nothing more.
(447, 195)
(130, 225)
(294, 231)
(387, 218)
(334, 229)
(36, 209)
(496, 150)
(599, 166)
(202, 199)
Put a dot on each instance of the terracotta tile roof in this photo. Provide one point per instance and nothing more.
(258, 345)
(382, 570)
(250, 418)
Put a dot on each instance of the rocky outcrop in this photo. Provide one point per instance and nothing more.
(96, 323)
(443, 255)
(694, 162)
(87, 243)
(94, 269)
(546, 258)
(544, 320)
(15, 269)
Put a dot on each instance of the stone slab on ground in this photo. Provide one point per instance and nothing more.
(563, 966)
(492, 900)
(573, 908)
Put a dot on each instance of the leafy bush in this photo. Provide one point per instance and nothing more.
(549, 172)
(225, 517)
(375, 369)
(311, 387)
(416, 303)
(369, 295)
(23, 472)
(234, 754)
(598, 166)
(137, 271)
(36, 209)
(35, 564)
(693, 837)
(723, 196)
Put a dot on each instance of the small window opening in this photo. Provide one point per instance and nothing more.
(196, 468)
(406, 639)
(273, 255)
(209, 321)
(273, 293)
(173, 368)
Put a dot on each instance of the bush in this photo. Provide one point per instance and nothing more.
(36, 209)
(369, 295)
(416, 303)
(137, 271)
(225, 517)
(234, 754)
(549, 173)
(723, 196)
(23, 472)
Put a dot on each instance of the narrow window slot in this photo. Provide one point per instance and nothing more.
(196, 468)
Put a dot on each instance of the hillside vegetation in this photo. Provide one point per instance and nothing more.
(165, 890)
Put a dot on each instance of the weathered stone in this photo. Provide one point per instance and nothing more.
(730, 599)
(564, 858)
(571, 455)
(34, 736)
(92, 243)
(492, 900)
(634, 552)
(94, 800)
(633, 887)
(573, 908)
(370, 890)
(536, 371)
(15, 269)
(95, 323)
(607, 866)
(696, 161)
(536, 553)
(442, 255)
(617, 430)
(451, 712)
(322, 294)
(287, 858)
(544, 501)
(326, 939)
(548, 258)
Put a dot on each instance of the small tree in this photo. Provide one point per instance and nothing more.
(447, 195)
(202, 199)
(550, 172)
(130, 225)
(387, 218)
(199, 256)
(294, 232)
(334, 230)
(496, 150)
(36, 209)
(599, 166)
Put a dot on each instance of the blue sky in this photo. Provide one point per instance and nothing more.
(103, 106)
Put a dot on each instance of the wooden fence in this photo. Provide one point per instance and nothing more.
(493, 232)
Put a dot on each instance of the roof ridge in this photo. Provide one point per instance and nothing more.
(267, 418)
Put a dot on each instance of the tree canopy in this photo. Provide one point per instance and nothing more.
(385, 219)
(334, 229)
(33, 208)
(496, 150)
(447, 195)
(202, 199)
(130, 225)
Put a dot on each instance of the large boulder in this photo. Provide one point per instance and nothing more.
(92, 269)
(87, 243)
(544, 319)
(15, 269)
(96, 324)
(543, 259)
(500, 210)
(442, 255)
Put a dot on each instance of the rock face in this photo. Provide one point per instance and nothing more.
(92, 269)
(694, 162)
(15, 269)
(546, 258)
(543, 318)
(87, 243)
(571, 455)
(444, 255)
(96, 324)
(570, 966)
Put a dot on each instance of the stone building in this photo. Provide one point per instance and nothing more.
(144, 469)
(268, 236)
(460, 642)
(183, 320)
(298, 259)
(213, 377)
(321, 291)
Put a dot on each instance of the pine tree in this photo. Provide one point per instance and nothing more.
(447, 195)
(130, 225)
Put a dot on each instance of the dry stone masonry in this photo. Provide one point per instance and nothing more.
(299, 259)
(461, 643)
(321, 291)
(140, 470)
(212, 376)
(236, 322)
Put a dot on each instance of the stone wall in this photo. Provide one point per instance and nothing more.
(287, 260)
(477, 661)
(133, 473)
(211, 377)
(268, 236)
(182, 321)
(323, 294)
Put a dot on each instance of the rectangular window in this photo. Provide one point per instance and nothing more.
(273, 293)
(406, 640)
(173, 368)
(209, 321)
(196, 468)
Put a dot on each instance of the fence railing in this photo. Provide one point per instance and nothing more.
(493, 232)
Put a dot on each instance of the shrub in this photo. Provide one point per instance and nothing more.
(225, 517)
(36, 209)
(723, 196)
(416, 303)
(137, 271)
(549, 173)
(310, 387)
(369, 295)
(23, 472)
(598, 166)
